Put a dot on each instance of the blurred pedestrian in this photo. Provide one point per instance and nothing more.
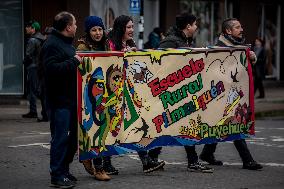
(259, 66)
(232, 35)
(60, 68)
(31, 62)
(154, 39)
(41, 79)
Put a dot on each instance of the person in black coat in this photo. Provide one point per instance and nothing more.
(259, 67)
(232, 35)
(31, 63)
(181, 35)
(60, 71)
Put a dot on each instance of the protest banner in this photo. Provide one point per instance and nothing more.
(167, 97)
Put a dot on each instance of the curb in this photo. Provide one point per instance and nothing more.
(269, 113)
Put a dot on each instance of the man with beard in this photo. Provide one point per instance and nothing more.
(232, 35)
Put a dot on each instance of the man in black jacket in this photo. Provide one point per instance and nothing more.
(31, 62)
(60, 67)
(181, 35)
(232, 35)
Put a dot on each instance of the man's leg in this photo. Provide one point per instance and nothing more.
(59, 125)
(72, 145)
(193, 164)
(148, 164)
(32, 88)
(248, 161)
(207, 154)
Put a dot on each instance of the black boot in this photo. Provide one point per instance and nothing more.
(108, 167)
(149, 165)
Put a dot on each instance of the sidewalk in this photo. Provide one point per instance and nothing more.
(273, 103)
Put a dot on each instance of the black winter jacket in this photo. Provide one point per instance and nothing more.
(60, 70)
(175, 39)
(33, 49)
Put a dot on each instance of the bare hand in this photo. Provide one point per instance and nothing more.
(78, 58)
(252, 57)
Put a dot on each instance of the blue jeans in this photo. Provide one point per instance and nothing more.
(63, 127)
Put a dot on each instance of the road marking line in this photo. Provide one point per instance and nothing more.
(33, 144)
(136, 157)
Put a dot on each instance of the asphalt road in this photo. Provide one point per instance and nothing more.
(24, 161)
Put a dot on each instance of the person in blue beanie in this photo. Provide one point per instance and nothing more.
(95, 40)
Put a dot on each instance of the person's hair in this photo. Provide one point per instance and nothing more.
(62, 20)
(118, 30)
(183, 19)
(228, 24)
(158, 31)
(47, 30)
(260, 40)
(34, 24)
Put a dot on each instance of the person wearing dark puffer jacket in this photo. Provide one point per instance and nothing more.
(60, 71)
(232, 35)
(179, 36)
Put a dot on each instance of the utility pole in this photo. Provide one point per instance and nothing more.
(141, 26)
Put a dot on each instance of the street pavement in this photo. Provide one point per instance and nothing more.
(24, 160)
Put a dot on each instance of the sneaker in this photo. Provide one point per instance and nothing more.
(88, 166)
(211, 160)
(153, 166)
(101, 175)
(62, 183)
(199, 167)
(110, 170)
(30, 115)
(253, 165)
(71, 177)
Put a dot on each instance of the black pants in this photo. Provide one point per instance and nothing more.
(240, 145)
(99, 162)
(154, 153)
(191, 154)
(258, 84)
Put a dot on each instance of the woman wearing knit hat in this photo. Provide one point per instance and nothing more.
(95, 40)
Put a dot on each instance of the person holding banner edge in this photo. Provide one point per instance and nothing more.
(232, 35)
(95, 40)
(181, 35)
(60, 67)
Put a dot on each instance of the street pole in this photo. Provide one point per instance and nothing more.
(141, 26)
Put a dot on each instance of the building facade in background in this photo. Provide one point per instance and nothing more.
(260, 18)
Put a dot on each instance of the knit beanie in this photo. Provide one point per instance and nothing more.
(92, 21)
(36, 26)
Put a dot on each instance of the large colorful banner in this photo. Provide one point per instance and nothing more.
(168, 97)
